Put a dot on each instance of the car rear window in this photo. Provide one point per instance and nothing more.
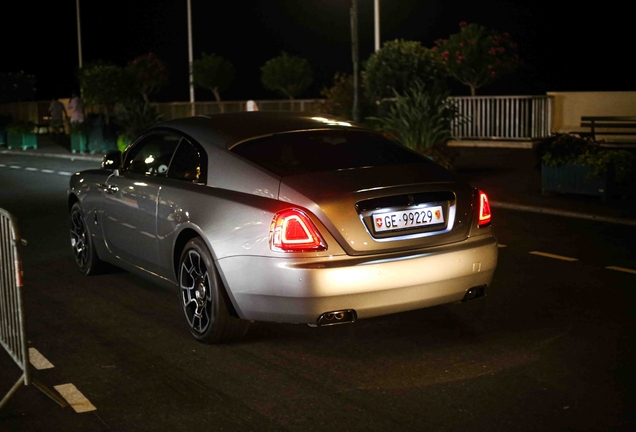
(318, 151)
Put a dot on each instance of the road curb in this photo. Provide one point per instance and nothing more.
(552, 211)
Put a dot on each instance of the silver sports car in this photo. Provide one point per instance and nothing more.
(283, 217)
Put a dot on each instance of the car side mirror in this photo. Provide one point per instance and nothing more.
(112, 160)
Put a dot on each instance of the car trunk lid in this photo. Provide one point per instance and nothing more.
(425, 205)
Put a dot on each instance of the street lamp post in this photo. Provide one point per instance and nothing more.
(79, 33)
(376, 14)
(192, 110)
(354, 53)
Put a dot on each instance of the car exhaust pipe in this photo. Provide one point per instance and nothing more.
(336, 317)
(474, 293)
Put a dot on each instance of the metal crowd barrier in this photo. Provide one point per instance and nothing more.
(12, 329)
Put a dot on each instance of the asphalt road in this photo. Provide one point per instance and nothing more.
(551, 348)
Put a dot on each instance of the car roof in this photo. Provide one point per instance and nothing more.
(228, 129)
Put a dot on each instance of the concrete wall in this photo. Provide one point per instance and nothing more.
(570, 106)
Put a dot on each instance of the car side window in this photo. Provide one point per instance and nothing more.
(187, 163)
(152, 155)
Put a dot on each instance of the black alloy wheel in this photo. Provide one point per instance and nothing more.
(202, 297)
(82, 244)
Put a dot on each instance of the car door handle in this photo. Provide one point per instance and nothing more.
(109, 188)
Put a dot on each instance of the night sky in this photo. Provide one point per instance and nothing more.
(583, 49)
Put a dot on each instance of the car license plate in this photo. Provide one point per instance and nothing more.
(405, 219)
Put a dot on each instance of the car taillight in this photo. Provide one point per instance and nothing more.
(292, 231)
(485, 217)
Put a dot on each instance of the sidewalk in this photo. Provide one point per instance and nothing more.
(506, 174)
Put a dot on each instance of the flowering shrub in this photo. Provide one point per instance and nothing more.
(150, 74)
(476, 56)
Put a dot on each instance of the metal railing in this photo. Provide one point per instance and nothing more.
(503, 117)
(482, 117)
(172, 110)
(12, 322)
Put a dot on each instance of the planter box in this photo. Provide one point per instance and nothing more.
(572, 179)
(22, 140)
(78, 142)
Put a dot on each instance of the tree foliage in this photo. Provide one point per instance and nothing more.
(476, 56)
(104, 84)
(108, 86)
(421, 120)
(16, 87)
(287, 75)
(213, 73)
(398, 64)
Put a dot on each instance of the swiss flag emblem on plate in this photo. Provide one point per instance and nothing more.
(378, 222)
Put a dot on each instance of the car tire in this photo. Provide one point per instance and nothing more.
(203, 297)
(82, 245)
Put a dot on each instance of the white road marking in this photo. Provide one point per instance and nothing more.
(15, 167)
(2, 165)
(48, 171)
(621, 269)
(64, 173)
(31, 169)
(38, 360)
(75, 398)
(560, 257)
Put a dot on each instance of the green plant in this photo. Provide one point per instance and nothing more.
(476, 56)
(20, 128)
(122, 143)
(135, 116)
(622, 162)
(288, 75)
(421, 120)
(562, 149)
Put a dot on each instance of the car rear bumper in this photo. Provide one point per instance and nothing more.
(300, 290)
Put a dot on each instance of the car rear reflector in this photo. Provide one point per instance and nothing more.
(292, 231)
(485, 217)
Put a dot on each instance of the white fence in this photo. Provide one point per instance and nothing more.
(503, 117)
